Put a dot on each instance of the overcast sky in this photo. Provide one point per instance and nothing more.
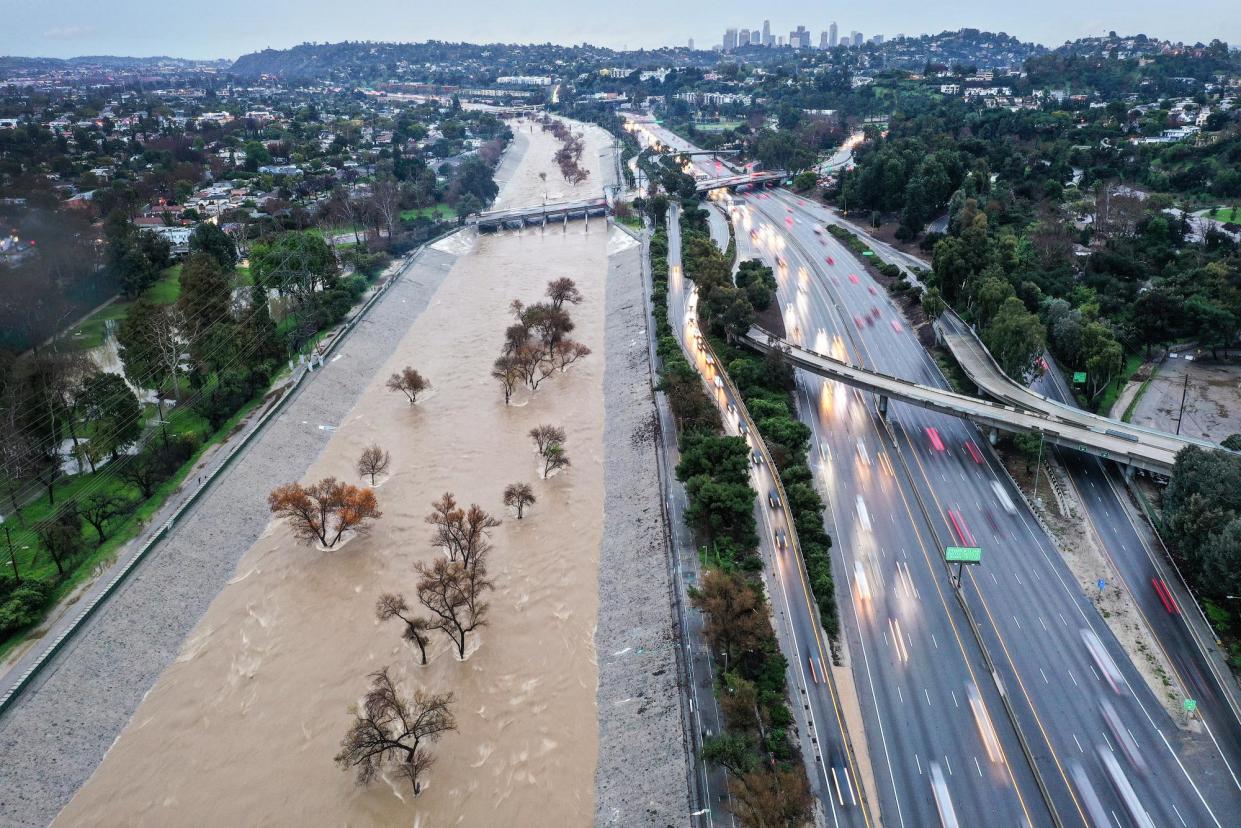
(229, 28)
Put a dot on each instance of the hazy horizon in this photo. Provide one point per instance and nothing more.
(228, 29)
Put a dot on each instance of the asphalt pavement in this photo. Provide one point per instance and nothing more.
(1031, 614)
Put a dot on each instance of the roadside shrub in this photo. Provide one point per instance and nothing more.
(24, 605)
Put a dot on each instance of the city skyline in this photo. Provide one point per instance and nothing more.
(76, 27)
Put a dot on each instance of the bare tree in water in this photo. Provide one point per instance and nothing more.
(544, 434)
(563, 290)
(409, 382)
(463, 533)
(453, 593)
(393, 729)
(393, 605)
(373, 462)
(519, 496)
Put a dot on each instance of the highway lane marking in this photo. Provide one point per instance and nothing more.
(935, 581)
(919, 761)
(948, 764)
(899, 694)
(977, 765)
(1178, 814)
(1148, 551)
(1044, 675)
(1079, 744)
(1043, 623)
(954, 698)
(1062, 620)
(928, 696)
(1073, 678)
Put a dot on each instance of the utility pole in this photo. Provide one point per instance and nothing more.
(8, 539)
(1184, 392)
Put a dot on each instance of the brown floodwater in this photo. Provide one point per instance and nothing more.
(242, 728)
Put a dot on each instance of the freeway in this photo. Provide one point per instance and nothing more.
(816, 709)
(942, 719)
(1133, 549)
(1045, 636)
(1138, 558)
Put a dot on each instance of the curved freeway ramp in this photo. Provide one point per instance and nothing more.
(986, 373)
(1154, 456)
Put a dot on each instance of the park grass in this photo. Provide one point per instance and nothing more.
(34, 565)
(720, 126)
(435, 212)
(1108, 398)
(1137, 398)
(94, 329)
(1229, 215)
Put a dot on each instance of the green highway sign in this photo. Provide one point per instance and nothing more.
(963, 554)
(868, 252)
(1190, 705)
(1079, 377)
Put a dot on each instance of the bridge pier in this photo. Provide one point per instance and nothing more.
(1128, 473)
(883, 406)
(993, 436)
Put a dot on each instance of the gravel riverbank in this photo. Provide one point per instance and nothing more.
(641, 778)
(54, 738)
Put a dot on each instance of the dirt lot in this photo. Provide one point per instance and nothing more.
(1212, 394)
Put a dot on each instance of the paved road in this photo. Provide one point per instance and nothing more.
(982, 368)
(1184, 636)
(815, 706)
(705, 719)
(1030, 611)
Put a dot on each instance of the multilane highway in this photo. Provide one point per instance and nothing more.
(1035, 588)
(816, 710)
(1031, 613)
(1133, 550)
(911, 727)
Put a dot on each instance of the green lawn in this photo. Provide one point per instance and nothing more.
(91, 333)
(1108, 398)
(1231, 215)
(435, 211)
(34, 562)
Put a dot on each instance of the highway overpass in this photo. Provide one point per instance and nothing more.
(1157, 457)
(734, 181)
(991, 380)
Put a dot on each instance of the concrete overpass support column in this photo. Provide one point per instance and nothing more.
(883, 406)
(993, 436)
(1128, 474)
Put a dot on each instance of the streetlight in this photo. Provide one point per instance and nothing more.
(1038, 467)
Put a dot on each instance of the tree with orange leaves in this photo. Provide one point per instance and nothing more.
(324, 511)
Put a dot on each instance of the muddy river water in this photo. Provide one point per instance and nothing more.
(242, 728)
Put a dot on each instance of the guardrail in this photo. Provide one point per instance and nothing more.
(10, 697)
(1105, 425)
(795, 546)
